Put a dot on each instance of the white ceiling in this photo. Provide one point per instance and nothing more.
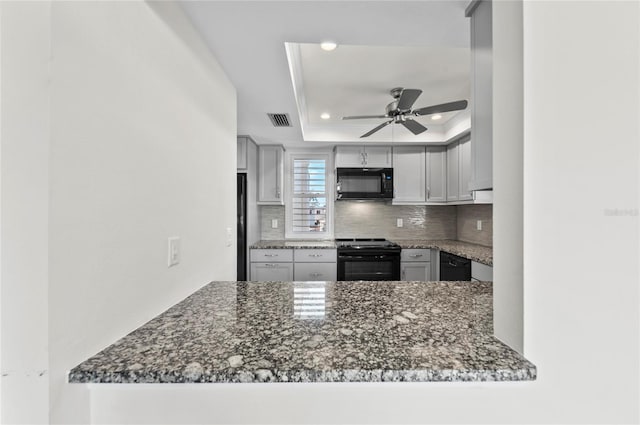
(382, 44)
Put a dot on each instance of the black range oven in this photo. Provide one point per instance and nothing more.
(368, 259)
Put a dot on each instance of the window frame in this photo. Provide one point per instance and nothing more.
(290, 156)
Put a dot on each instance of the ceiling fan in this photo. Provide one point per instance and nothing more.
(399, 111)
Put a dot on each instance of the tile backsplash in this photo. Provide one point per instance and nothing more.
(268, 213)
(468, 215)
(378, 220)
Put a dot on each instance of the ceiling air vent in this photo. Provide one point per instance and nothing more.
(280, 120)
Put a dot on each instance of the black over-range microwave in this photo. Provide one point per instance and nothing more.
(364, 183)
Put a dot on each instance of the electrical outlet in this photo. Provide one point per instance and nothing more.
(479, 225)
(174, 251)
(399, 222)
(274, 223)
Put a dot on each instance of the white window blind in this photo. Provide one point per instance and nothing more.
(309, 196)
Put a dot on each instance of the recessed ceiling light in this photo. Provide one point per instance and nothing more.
(328, 45)
(436, 117)
(325, 116)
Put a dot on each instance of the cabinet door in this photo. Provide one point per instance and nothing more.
(453, 181)
(272, 272)
(349, 157)
(482, 97)
(377, 156)
(270, 174)
(242, 153)
(415, 271)
(437, 174)
(481, 271)
(315, 271)
(464, 164)
(409, 174)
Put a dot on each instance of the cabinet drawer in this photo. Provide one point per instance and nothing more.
(272, 255)
(423, 255)
(314, 271)
(272, 272)
(315, 255)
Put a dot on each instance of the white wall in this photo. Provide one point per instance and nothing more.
(508, 172)
(140, 117)
(580, 265)
(24, 170)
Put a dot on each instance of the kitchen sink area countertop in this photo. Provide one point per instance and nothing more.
(298, 244)
(480, 253)
(474, 252)
(243, 332)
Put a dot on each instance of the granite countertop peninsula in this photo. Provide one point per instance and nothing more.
(479, 253)
(315, 332)
(297, 244)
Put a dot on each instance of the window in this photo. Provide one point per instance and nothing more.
(308, 210)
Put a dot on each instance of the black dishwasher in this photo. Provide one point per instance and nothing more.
(453, 267)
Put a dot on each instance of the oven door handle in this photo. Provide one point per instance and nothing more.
(365, 257)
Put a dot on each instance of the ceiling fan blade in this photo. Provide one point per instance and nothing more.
(381, 126)
(443, 107)
(408, 98)
(359, 117)
(414, 126)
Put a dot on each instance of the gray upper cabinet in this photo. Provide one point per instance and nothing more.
(242, 153)
(409, 174)
(349, 156)
(464, 170)
(377, 156)
(363, 156)
(436, 174)
(481, 176)
(453, 182)
(270, 175)
(459, 170)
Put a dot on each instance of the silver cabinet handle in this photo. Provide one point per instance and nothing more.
(404, 274)
(428, 192)
(270, 255)
(415, 255)
(366, 158)
(316, 274)
(271, 265)
(315, 255)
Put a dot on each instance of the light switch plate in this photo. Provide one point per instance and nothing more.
(479, 225)
(399, 222)
(229, 237)
(174, 251)
(274, 223)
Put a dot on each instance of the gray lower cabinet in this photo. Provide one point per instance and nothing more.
(293, 264)
(481, 272)
(314, 271)
(315, 264)
(415, 271)
(269, 272)
(415, 264)
(272, 265)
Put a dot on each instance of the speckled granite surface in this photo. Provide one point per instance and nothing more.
(316, 332)
(481, 254)
(302, 244)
